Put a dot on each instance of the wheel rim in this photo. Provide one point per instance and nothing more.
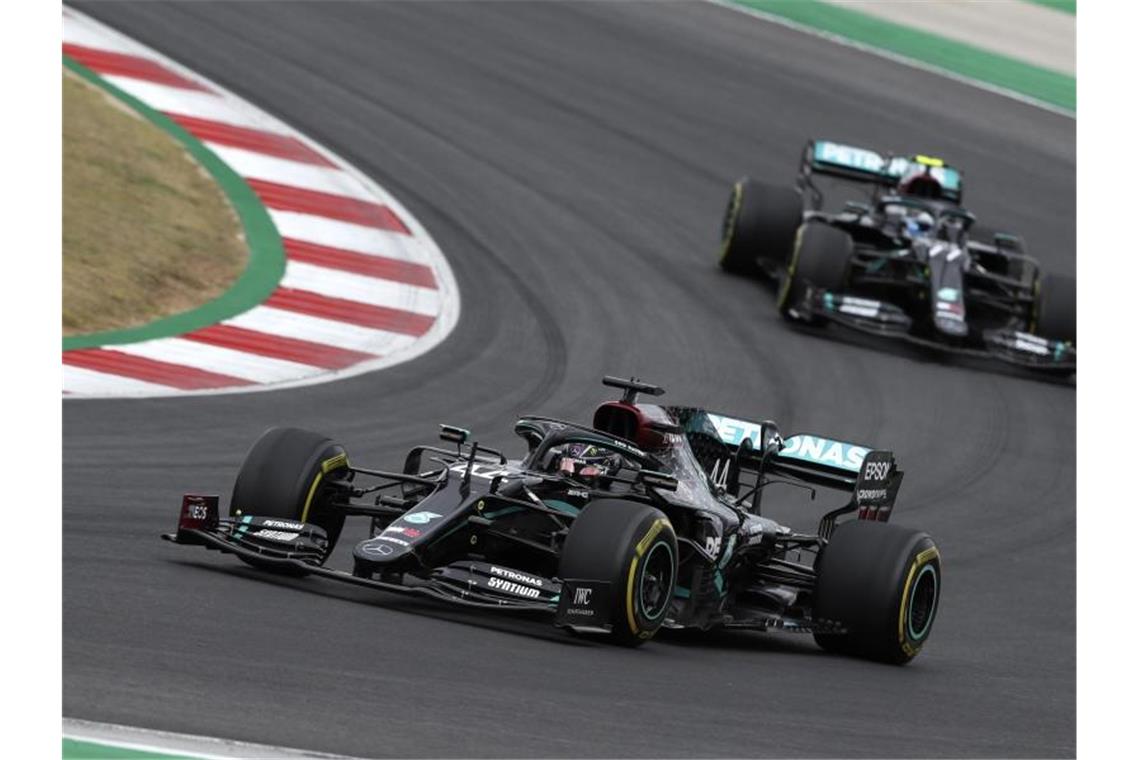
(923, 603)
(656, 584)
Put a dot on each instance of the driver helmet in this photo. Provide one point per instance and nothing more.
(908, 220)
(919, 223)
(920, 183)
(587, 461)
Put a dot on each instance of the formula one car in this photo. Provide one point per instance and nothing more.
(649, 518)
(908, 263)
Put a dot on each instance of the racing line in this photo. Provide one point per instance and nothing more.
(573, 160)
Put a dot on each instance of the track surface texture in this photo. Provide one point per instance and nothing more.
(573, 161)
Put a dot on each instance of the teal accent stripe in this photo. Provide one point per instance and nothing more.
(1050, 87)
(561, 506)
(266, 264)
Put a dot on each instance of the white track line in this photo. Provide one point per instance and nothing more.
(170, 743)
(895, 57)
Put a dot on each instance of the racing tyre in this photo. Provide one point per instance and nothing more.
(285, 474)
(881, 583)
(1055, 313)
(760, 225)
(632, 547)
(820, 258)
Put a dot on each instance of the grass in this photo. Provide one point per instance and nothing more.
(146, 232)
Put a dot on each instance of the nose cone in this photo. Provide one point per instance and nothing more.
(382, 549)
(953, 325)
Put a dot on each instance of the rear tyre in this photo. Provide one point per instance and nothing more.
(285, 475)
(820, 258)
(632, 547)
(1055, 312)
(882, 583)
(759, 227)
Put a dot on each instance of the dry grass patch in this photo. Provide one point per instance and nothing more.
(146, 231)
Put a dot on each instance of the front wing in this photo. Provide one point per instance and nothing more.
(885, 319)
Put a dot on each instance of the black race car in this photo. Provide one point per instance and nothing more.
(649, 518)
(907, 262)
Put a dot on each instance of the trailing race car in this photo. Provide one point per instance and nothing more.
(648, 519)
(910, 263)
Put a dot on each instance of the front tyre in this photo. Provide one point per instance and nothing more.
(1055, 309)
(759, 227)
(632, 547)
(881, 583)
(820, 258)
(286, 475)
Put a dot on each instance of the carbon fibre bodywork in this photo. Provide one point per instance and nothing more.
(471, 526)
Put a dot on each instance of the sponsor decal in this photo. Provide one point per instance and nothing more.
(872, 487)
(393, 539)
(948, 294)
(846, 155)
(719, 474)
(580, 605)
(198, 511)
(857, 310)
(877, 470)
(734, 431)
(1031, 343)
(420, 518)
(810, 448)
(286, 524)
(380, 549)
(404, 531)
(485, 471)
(861, 159)
(513, 588)
(515, 575)
(276, 535)
(578, 493)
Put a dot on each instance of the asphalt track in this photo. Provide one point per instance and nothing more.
(573, 162)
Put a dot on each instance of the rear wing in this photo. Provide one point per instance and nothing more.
(864, 165)
(870, 476)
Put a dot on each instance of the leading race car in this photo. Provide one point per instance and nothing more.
(649, 518)
(908, 262)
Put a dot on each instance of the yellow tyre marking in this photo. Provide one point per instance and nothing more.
(639, 551)
(654, 529)
(340, 460)
(921, 559)
(731, 231)
(629, 597)
(786, 285)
